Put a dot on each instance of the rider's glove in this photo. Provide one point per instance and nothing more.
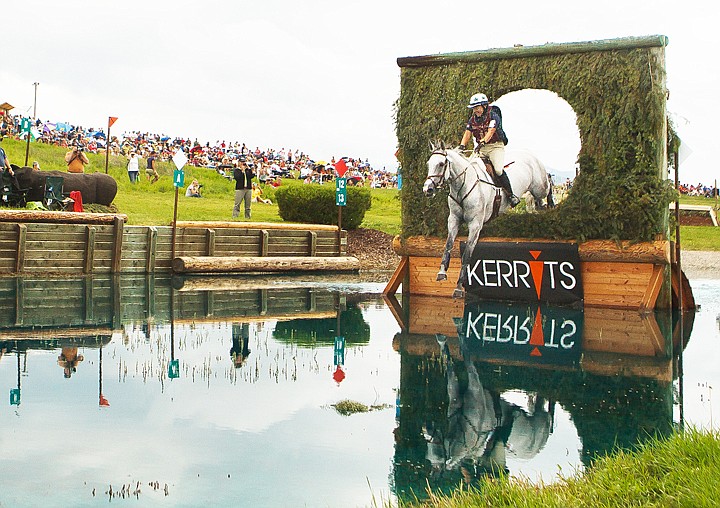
(479, 146)
(461, 148)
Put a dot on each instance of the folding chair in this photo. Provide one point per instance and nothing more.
(10, 193)
(54, 199)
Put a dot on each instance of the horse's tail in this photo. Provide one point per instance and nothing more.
(550, 199)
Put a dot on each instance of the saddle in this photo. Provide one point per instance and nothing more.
(498, 197)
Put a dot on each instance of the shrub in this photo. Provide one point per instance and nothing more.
(315, 204)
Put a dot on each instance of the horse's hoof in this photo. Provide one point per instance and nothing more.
(458, 293)
(441, 276)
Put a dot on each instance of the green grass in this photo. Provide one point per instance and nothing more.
(152, 204)
(680, 471)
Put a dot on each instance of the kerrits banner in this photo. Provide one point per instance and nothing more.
(526, 272)
(533, 334)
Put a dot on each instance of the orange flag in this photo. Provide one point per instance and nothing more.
(112, 120)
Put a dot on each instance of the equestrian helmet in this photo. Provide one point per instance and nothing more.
(479, 99)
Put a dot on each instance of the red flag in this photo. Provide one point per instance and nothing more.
(340, 167)
(112, 120)
(104, 402)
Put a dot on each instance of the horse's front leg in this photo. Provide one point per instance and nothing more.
(453, 225)
(473, 234)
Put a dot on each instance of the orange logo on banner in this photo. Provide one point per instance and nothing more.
(536, 268)
(537, 338)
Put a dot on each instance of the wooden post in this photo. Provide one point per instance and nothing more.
(19, 298)
(210, 242)
(339, 231)
(313, 244)
(20, 252)
(88, 296)
(174, 227)
(107, 149)
(151, 248)
(264, 240)
(89, 249)
(678, 267)
(118, 224)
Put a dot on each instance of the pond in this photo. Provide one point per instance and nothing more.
(181, 392)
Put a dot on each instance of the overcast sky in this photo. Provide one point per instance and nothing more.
(320, 76)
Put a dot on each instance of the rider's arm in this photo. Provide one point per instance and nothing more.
(466, 138)
(489, 134)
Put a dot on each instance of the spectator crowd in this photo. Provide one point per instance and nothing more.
(269, 163)
(698, 190)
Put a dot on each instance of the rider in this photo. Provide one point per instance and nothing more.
(485, 124)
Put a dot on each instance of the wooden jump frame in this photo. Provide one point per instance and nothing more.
(617, 275)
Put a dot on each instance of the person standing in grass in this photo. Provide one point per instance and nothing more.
(151, 170)
(133, 167)
(243, 176)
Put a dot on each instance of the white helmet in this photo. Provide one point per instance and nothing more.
(479, 99)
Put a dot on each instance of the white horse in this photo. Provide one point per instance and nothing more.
(471, 192)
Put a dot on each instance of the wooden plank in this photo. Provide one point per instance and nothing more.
(397, 277)
(89, 250)
(604, 267)
(20, 253)
(210, 242)
(206, 264)
(312, 250)
(649, 299)
(657, 252)
(264, 239)
(255, 225)
(152, 236)
(21, 216)
(250, 282)
(117, 247)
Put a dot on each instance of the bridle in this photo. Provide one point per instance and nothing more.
(443, 180)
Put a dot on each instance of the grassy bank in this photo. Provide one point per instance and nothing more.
(152, 204)
(148, 204)
(681, 471)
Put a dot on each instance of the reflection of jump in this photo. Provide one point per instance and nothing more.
(240, 342)
(69, 360)
(482, 426)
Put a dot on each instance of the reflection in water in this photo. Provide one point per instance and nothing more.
(69, 360)
(198, 388)
(240, 343)
(484, 400)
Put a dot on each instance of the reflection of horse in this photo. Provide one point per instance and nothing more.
(471, 195)
(483, 427)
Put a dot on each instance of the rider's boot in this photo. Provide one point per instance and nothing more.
(505, 183)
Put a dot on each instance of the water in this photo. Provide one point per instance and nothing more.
(184, 396)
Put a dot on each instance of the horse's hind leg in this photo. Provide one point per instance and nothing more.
(473, 234)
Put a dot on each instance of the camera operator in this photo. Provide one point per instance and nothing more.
(193, 190)
(76, 159)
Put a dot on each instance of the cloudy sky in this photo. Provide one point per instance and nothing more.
(320, 76)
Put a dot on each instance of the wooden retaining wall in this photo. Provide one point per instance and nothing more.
(46, 248)
(29, 305)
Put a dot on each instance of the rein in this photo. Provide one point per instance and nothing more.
(449, 181)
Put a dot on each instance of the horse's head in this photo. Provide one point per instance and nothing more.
(437, 171)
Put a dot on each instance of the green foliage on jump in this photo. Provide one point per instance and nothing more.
(315, 204)
(617, 90)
